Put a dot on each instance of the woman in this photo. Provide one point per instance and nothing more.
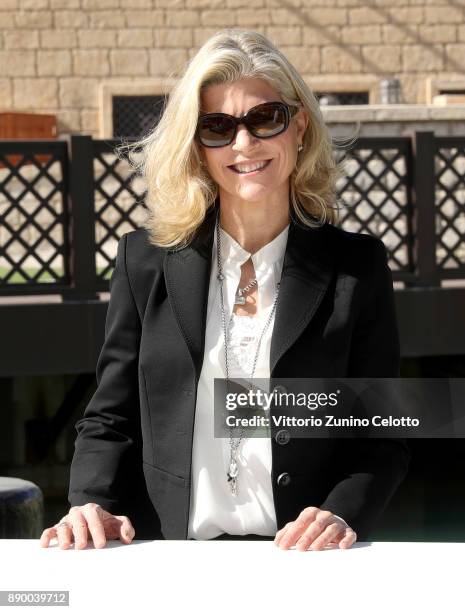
(237, 272)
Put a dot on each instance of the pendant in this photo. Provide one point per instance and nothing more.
(232, 476)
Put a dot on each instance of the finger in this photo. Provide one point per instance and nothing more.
(279, 534)
(46, 536)
(298, 527)
(79, 527)
(340, 536)
(93, 515)
(327, 536)
(304, 521)
(349, 539)
(322, 520)
(126, 531)
(292, 534)
(64, 535)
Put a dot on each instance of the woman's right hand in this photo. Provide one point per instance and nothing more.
(90, 519)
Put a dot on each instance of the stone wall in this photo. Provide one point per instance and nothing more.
(54, 54)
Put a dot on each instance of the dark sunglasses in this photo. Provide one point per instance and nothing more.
(263, 121)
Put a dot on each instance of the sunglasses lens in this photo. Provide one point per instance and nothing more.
(215, 130)
(267, 120)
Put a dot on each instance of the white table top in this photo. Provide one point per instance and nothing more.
(228, 576)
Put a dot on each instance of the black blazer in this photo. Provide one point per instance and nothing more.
(335, 316)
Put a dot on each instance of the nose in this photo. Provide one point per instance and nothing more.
(244, 139)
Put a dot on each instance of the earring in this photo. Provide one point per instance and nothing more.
(300, 148)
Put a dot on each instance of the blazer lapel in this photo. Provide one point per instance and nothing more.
(307, 270)
(187, 274)
(306, 274)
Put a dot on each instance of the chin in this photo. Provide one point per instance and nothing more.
(258, 199)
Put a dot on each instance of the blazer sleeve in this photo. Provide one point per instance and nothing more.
(370, 470)
(107, 461)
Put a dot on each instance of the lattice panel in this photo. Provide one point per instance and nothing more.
(374, 199)
(119, 206)
(450, 209)
(33, 218)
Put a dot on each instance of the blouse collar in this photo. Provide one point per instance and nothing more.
(233, 255)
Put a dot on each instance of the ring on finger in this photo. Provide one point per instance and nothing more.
(63, 524)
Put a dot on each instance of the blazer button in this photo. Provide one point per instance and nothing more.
(283, 479)
(280, 389)
(282, 437)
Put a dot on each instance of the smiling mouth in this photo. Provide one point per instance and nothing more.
(252, 171)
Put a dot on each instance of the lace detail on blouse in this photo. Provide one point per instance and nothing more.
(244, 333)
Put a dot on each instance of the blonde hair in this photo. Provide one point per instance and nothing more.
(179, 189)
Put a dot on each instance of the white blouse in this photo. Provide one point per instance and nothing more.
(213, 508)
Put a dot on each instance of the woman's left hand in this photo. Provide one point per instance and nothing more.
(314, 529)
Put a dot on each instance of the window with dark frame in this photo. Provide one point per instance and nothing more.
(343, 97)
(135, 116)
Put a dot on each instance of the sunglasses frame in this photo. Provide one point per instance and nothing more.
(289, 112)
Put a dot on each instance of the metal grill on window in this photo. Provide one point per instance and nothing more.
(343, 98)
(135, 116)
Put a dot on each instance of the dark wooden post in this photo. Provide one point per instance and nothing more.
(82, 230)
(424, 215)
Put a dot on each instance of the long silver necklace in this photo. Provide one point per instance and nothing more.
(234, 443)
